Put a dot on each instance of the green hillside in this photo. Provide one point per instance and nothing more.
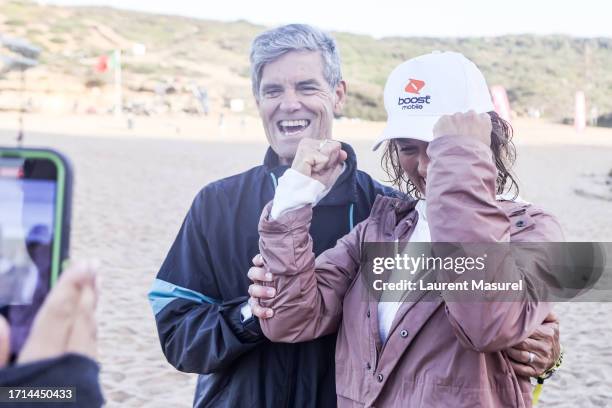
(540, 72)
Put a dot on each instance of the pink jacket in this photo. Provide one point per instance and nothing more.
(438, 353)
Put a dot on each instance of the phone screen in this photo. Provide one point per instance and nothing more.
(28, 189)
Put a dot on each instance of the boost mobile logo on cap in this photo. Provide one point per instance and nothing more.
(415, 102)
(414, 86)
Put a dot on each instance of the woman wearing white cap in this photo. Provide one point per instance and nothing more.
(429, 351)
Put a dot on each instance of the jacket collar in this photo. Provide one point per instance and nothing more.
(344, 190)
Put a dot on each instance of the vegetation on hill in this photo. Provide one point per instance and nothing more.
(541, 73)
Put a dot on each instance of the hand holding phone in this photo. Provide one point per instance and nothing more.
(65, 323)
(35, 197)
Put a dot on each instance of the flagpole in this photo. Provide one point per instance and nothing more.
(21, 109)
(118, 91)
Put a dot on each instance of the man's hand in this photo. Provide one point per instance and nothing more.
(470, 124)
(319, 159)
(257, 290)
(543, 344)
(65, 323)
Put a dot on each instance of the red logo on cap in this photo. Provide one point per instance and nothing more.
(414, 86)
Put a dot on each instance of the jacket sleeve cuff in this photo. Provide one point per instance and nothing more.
(286, 222)
(248, 331)
(295, 190)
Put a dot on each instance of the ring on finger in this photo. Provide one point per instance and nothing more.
(323, 143)
(531, 357)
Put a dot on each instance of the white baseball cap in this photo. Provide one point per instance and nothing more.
(421, 90)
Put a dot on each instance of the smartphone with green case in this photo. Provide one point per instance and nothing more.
(35, 209)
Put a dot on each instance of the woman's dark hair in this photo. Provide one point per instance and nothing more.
(503, 149)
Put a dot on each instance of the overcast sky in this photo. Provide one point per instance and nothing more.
(582, 18)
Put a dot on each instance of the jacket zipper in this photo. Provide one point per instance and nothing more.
(407, 236)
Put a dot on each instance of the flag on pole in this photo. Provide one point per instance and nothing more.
(106, 62)
(118, 82)
(102, 64)
(115, 59)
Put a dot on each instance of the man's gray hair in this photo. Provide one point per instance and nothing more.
(273, 44)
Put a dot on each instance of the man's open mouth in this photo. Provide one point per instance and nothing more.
(291, 127)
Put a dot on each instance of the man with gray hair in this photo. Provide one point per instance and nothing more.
(200, 297)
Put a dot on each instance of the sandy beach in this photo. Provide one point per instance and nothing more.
(133, 188)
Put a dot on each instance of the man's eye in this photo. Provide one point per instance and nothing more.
(273, 93)
(309, 89)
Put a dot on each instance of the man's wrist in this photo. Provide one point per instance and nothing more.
(248, 331)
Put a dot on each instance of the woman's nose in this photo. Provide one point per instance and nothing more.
(423, 163)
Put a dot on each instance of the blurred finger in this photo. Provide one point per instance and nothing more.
(83, 336)
(53, 324)
(5, 342)
(525, 357)
(551, 317)
(540, 361)
(523, 370)
(258, 291)
(534, 345)
(544, 332)
(442, 125)
(260, 311)
(332, 160)
(327, 146)
(442, 120)
(318, 161)
(520, 356)
(259, 274)
(338, 155)
(258, 260)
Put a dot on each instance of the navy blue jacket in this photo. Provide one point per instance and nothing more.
(203, 283)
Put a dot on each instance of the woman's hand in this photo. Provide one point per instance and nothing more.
(319, 159)
(470, 124)
(258, 291)
(542, 348)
